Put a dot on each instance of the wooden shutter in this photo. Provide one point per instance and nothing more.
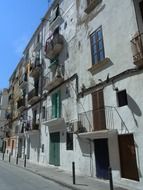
(128, 161)
(99, 121)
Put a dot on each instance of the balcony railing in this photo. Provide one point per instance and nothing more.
(8, 115)
(53, 63)
(35, 126)
(33, 96)
(35, 68)
(51, 84)
(56, 23)
(30, 126)
(137, 49)
(23, 81)
(54, 46)
(21, 104)
(52, 116)
(101, 119)
(10, 98)
(92, 5)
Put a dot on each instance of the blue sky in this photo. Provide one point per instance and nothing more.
(18, 21)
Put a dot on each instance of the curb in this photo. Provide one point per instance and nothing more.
(64, 184)
(46, 177)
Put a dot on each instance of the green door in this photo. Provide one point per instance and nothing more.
(54, 149)
(56, 105)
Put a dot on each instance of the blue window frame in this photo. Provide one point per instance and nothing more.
(97, 46)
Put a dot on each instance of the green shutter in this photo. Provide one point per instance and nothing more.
(58, 104)
(54, 150)
(53, 105)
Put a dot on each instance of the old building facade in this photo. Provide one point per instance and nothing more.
(76, 94)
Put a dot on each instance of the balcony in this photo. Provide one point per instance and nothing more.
(92, 5)
(8, 115)
(53, 63)
(49, 85)
(35, 68)
(137, 49)
(37, 46)
(54, 46)
(56, 22)
(10, 98)
(53, 117)
(32, 128)
(101, 123)
(21, 104)
(35, 126)
(23, 81)
(33, 96)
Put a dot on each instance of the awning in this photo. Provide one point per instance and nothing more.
(98, 134)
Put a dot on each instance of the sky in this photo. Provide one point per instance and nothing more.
(18, 21)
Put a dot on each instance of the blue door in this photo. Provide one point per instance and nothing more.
(102, 158)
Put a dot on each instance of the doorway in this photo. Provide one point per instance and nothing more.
(54, 149)
(12, 147)
(128, 157)
(20, 147)
(101, 158)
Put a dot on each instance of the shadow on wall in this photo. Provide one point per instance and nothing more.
(64, 55)
(35, 144)
(134, 108)
(87, 151)
(85, 147)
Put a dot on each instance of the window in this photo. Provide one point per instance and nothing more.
(141, 8)
(34, 116)
(56, 105)
(69, 141)
(97, 46)
(8, 142)
(43, 112)
(42, 147)
(122, 98)
(38, 38)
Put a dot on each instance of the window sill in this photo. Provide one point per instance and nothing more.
(91, 6)
(100, 65)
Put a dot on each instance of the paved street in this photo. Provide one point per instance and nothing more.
(15, 178)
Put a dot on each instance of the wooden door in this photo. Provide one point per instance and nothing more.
(128, 157)
(54, 149)
(99, 121)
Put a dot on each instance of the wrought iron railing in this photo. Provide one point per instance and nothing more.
(32, 93)
(53, 46)
(137, 47)
(51, 113)
(20, 103)
(108, 116)
(23, 78)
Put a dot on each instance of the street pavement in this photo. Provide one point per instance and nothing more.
(15, 178)
(61, 177)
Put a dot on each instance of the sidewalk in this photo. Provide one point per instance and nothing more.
(61, 177)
